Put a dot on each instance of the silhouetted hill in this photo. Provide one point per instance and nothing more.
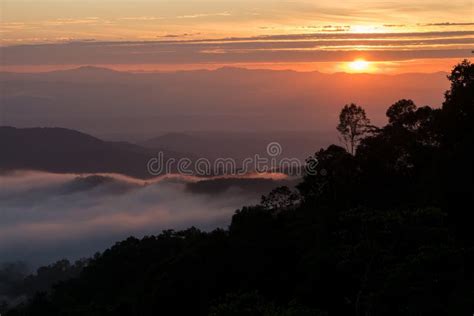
(65, 150)
(216, 186)
(89, 73)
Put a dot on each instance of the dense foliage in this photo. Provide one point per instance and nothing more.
(384, 231)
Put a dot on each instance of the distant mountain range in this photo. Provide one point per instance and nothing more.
(229, 112)
(140, 106)
(69, 151)
(64, 150)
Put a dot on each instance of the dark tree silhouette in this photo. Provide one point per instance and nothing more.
(400, 112)
(457, 156)
(281, 198)
(353, 126)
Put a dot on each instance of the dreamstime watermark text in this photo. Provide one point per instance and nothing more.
(269, 163)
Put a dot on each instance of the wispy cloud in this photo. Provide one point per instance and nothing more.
(60, 22)
(179, 35)
(394, 25)
(141, 18)
(448, 24)
(203, 15)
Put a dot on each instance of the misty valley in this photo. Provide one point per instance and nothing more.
(236, 158)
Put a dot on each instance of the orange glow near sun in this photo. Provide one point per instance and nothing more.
(359, 65)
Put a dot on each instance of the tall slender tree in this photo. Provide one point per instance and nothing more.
(353, 126)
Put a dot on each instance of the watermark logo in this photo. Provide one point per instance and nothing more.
(274, 149)
(272, 162)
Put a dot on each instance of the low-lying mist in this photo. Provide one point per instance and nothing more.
(46, 216)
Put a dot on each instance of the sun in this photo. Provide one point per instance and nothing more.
(359, 65)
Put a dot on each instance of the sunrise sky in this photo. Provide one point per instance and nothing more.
(329, 36)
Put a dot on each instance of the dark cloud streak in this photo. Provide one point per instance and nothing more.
(273, 48)
(449, 24)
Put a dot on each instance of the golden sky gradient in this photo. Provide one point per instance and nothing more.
(392, 36)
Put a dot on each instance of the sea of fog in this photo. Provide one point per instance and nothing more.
(46, 217)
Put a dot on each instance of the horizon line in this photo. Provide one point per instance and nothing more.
(92, 67)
